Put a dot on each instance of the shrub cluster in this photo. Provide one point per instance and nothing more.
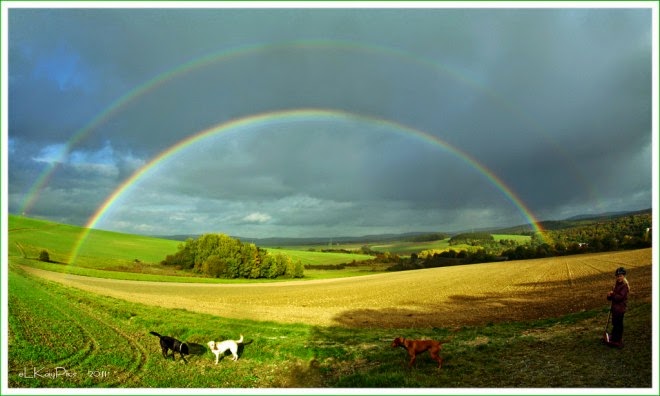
(220, 256)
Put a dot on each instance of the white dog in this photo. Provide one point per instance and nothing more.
(220, 347)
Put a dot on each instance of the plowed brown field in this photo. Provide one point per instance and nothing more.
(440, 297)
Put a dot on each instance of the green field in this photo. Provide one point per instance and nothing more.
(321, 258)
(120, 256)
(101, 249)
(404, 248)
(63, 336)
(115, 255)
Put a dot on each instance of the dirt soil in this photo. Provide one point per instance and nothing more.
(440, 297)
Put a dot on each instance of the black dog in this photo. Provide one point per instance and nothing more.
(175, 345)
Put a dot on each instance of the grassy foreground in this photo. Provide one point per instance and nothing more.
(62, 337)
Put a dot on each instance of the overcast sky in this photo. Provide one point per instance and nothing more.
(539, 110)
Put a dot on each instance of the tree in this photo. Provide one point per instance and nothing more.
(44, 256)
(278, 265)
(214, 266)
(267, 262)
(220, 255)
(250, 261)
(295, 269)
(184, 258)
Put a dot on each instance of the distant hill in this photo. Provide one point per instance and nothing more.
(284, 241)
(609, 215)
(522, 229)
(575, 221)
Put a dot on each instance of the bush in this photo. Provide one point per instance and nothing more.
(295, 269)
(44, 256)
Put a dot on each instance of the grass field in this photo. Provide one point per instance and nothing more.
(114, 255)
(63, 337)
(321, 258)
(523, 324)
(404, 248)
(101, 249)
(407, 248)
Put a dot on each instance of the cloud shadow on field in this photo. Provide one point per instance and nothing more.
(535, 355)
(524, 301)
(357, 351)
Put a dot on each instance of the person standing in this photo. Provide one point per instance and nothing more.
(619, 297)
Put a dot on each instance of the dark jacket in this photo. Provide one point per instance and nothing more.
(619, 298)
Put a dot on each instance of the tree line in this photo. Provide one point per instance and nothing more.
(220, 256)
(472, 238)
(624, 233)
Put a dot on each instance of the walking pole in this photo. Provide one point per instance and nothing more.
(606, 337)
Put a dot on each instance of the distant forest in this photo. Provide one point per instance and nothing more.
(572, 237)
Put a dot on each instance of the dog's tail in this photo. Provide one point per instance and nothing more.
(240, 341)
(156, 334)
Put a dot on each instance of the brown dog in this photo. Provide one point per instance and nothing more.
(415, 347)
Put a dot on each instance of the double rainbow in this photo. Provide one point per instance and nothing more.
(307, 45)
(274, 118)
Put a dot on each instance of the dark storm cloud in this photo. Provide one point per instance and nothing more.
(555, 102)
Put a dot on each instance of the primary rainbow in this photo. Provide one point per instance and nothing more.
(234, 53)
(271, 118)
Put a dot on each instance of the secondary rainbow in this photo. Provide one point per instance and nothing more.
(226, 55)
(272, 118)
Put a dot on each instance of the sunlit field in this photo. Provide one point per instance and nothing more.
(71, 330)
